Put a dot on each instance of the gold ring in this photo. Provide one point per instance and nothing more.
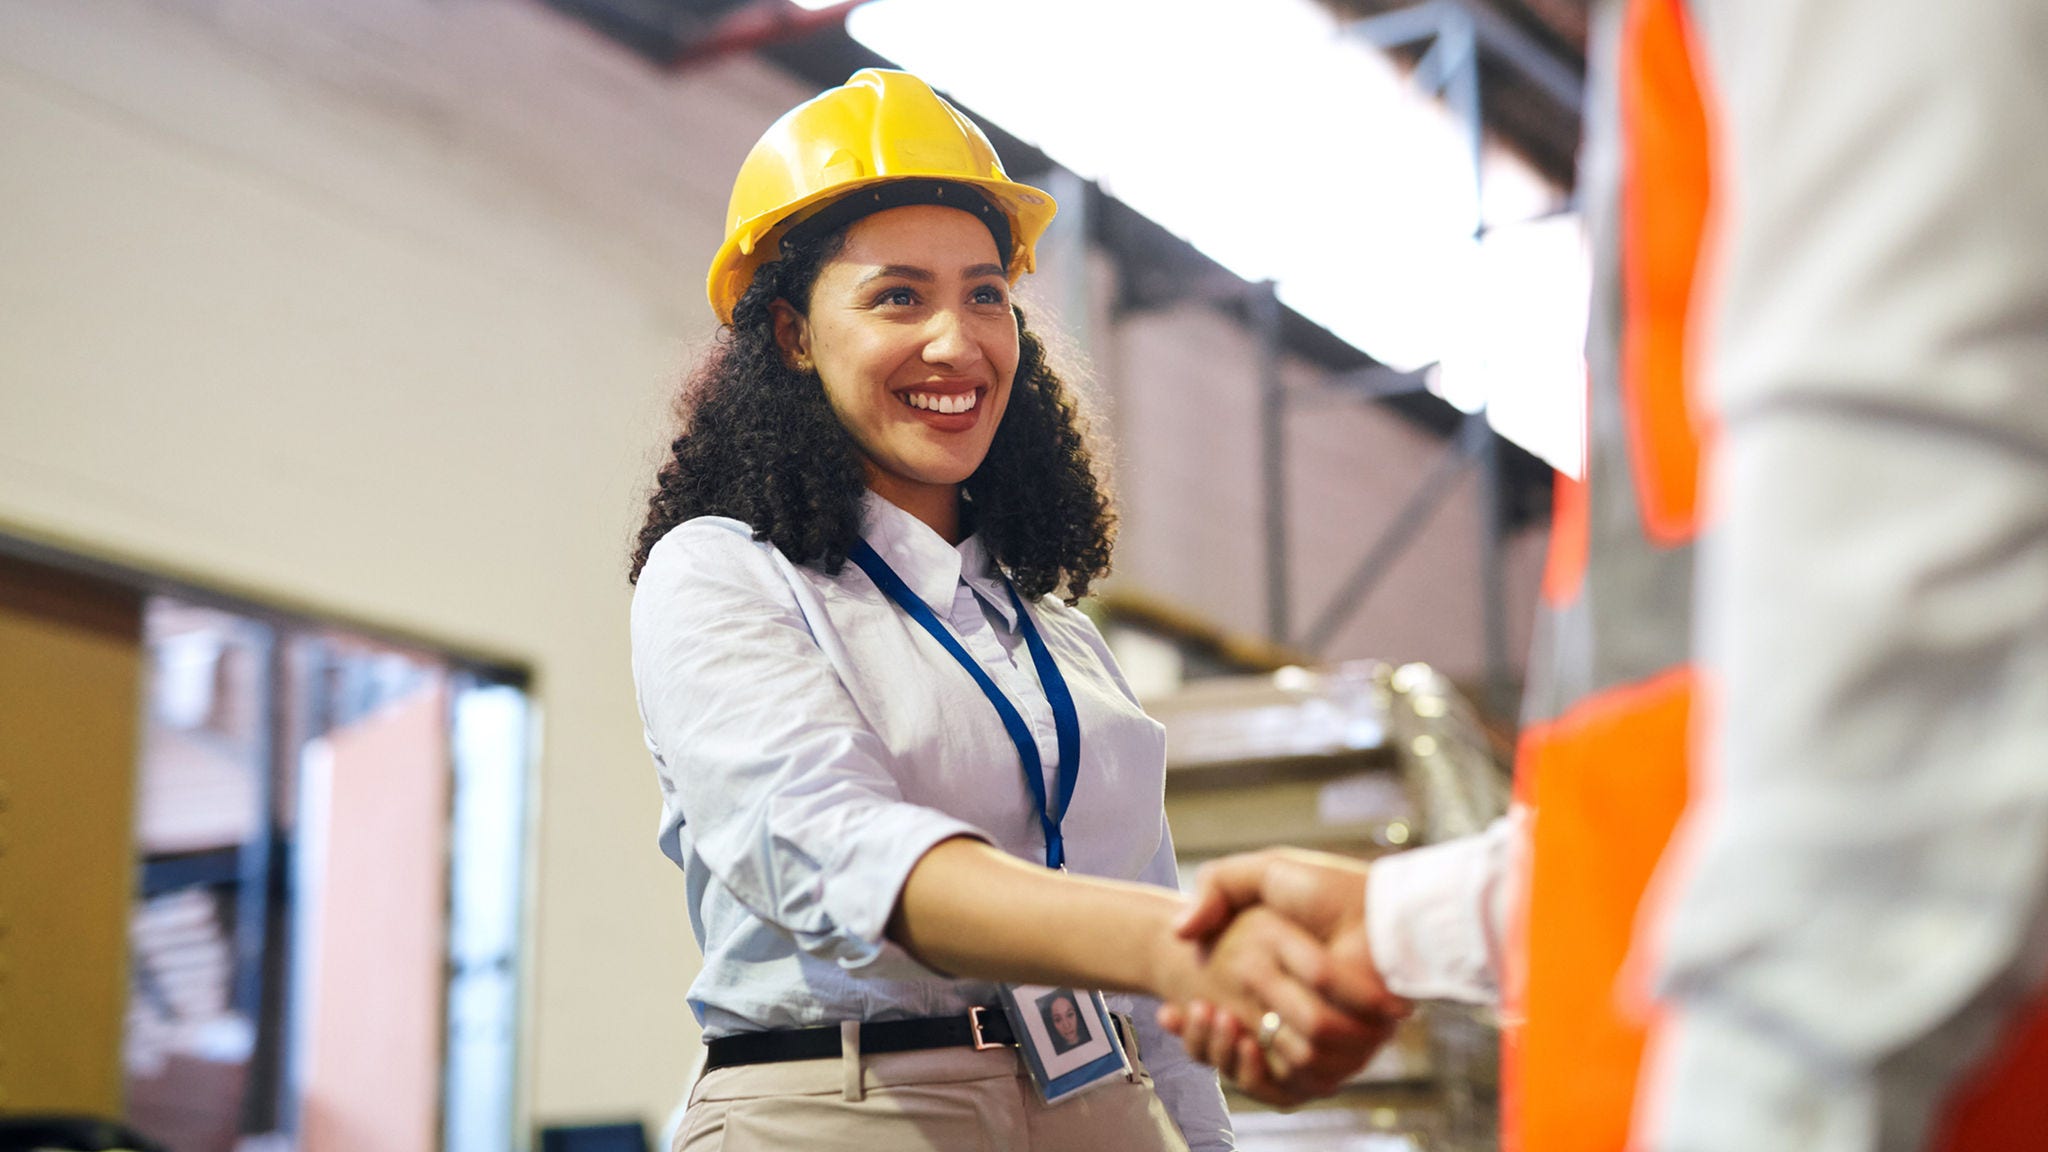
(1269, 1027)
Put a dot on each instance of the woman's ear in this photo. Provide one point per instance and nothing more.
(792, 335)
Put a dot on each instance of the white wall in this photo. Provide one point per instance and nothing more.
(374, 308)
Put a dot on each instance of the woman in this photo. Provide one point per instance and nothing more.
(859, 819)
(1062, 1012)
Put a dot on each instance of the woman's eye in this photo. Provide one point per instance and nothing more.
(897, 297)
(988, 294)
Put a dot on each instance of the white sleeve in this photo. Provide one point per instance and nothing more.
(1436, 916)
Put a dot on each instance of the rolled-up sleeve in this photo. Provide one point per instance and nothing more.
(783, 787)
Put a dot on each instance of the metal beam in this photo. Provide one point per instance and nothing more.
(1408, 523)
(1063, 251)
(1266, 314)
(1541, 66)
(1493, 587)
(1494, 33)
(1379, 382)
(1461, 91)
(1401, 27)
(1441, 62)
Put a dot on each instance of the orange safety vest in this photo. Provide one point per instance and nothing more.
(1602, 763)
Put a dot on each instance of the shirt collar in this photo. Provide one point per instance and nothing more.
(932, 568)
(981, 573)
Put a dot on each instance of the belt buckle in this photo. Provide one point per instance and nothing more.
(974, 1028)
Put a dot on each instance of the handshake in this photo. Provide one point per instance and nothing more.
(1271, 976)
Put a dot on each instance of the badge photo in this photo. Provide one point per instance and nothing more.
(1066, 1037)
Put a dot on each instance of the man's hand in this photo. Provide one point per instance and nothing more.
(1324, 896)
(1261, 964)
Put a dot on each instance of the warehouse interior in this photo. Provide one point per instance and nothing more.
(340, 342)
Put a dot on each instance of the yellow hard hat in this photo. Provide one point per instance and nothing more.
(880, 127)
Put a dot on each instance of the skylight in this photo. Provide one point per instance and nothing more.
(1284, 149)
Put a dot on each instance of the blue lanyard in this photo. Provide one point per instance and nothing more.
(1066, 723)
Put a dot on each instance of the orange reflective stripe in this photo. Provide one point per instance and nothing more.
(1608, 781)
(2005, 1107)
(1570, 539)
(1664, 201)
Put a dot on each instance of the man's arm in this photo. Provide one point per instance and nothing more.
(1426, 924)
(1860, 897)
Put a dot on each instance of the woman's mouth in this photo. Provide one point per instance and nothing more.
(942, 403)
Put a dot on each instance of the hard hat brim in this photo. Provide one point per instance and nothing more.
(757, 240)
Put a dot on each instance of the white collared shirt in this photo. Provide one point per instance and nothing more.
(1436, 917)
(813, 742)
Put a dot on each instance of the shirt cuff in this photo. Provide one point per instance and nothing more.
(862, 894)
(1428, 918)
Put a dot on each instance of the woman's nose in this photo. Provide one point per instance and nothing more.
(950, 340)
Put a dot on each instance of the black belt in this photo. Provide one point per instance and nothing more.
(981, 1028)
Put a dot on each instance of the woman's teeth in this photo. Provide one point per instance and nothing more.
(945, 405)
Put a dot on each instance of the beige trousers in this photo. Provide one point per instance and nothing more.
(946, 1100)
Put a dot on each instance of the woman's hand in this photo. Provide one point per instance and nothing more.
(1264, 962)
(1215, 1036)
(973, 910)
(1323, 898)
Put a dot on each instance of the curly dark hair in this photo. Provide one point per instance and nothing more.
(761, 444)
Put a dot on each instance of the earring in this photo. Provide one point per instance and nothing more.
(803, 364)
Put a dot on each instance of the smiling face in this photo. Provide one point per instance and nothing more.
(1066, 1020)
(910, 331)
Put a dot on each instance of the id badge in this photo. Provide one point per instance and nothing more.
(1066, 1038)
